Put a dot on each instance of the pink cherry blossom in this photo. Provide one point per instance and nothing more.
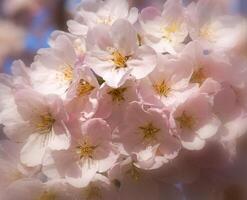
(82, 95)
(215, 29)
(165, 30)
(42, 125)
(113, 101)
(167, 84)
(209, 69)
(91, 13)
(115, 56)
(146, 134)
(52, 71)
(195, 121)
(91, 151)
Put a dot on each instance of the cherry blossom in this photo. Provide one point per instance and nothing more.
(195, 121)
(115, 56)
(91, 13)
(52, 71)
(148, 137)
(42, 125)
(165, 29)
(167, 84)
(90, 152)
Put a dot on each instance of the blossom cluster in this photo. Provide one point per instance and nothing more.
(128, 105)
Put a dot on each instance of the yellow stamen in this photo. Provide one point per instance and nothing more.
(107, 20)
(117, 94)
(207, 32)
(149, 132)
(198, 77)
(68, 73)
(171, 29)
(162, 89)
(47, 196)
(85, 150)
(84, 88)
(119, 60)
(45, 123)
(185, 121)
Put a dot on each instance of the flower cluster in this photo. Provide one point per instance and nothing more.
(128, 105)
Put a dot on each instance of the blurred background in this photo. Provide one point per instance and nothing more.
(25, 25)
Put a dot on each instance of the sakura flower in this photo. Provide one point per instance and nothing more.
(167, 83)
(115, 56)
(209, 70)
(195, 121)
(77, 42)
(52, 71)
(91, 151)
(113, 101)
(91, 13)
(207, 24)
(166, 30)
(145, 134)
(40, 123)
(82, 95)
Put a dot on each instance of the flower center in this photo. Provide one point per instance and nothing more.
(162, 89)
(85, 150)
(84, 88)
(47, 196)
(93, 193)
(117, 94)
(169, 30)
(149, 132)
(207, 32)
(105, 20)
(185, 121)
(68, 73)
(119, 60)
(45, 124)
(198, 77)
